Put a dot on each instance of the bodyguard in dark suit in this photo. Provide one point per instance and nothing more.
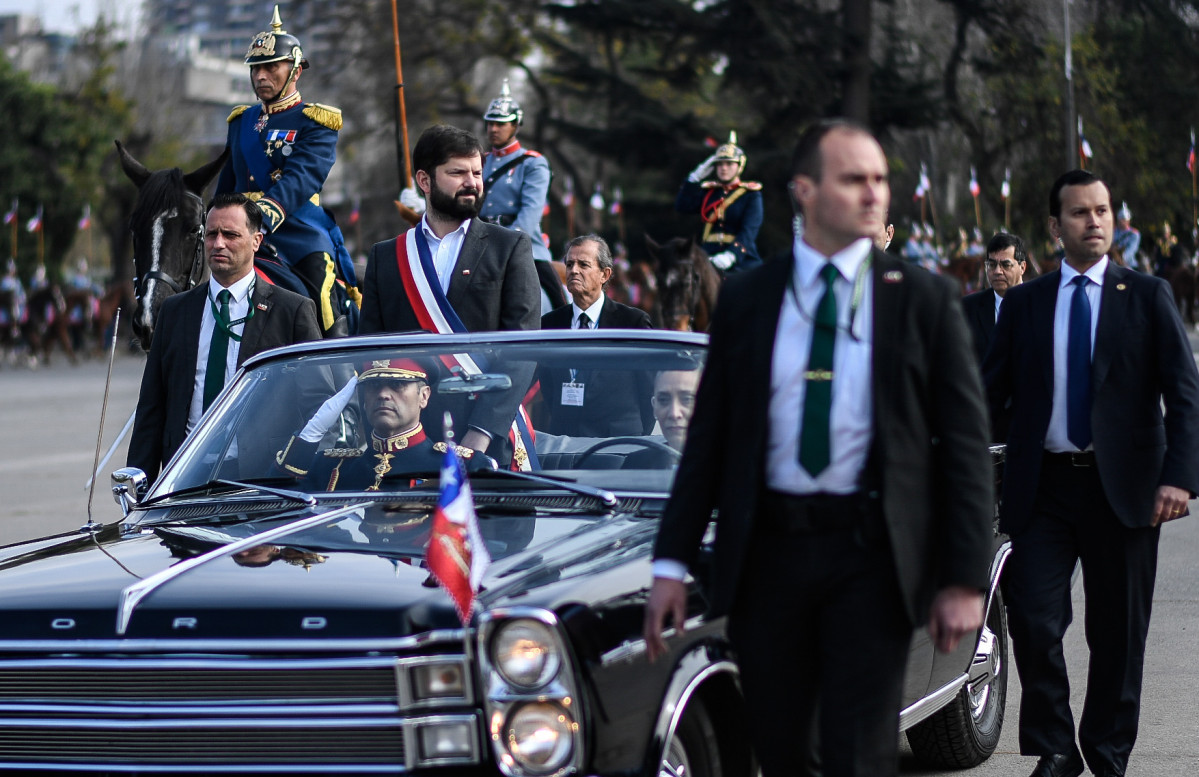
(1006, 263)
(583, 401)
(453, 272)
(204, 335)
(1086, 356)
(857, 505)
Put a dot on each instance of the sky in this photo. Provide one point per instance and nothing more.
(70, 15)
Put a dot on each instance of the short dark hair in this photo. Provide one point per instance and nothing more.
(806, 158)
(238, 200)
(441, 143)
(603, 254)
(1001, 240)
(1073, 178)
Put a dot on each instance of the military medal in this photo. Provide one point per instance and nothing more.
(260, 125)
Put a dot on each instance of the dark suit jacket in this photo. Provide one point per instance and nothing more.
(170, 374)
(615, 402)
(1141, 356)
(979, 310)
(930, 439)
(494, 288)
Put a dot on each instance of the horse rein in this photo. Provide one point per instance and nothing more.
(195, 271)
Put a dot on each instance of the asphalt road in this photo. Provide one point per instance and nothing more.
(48, 423)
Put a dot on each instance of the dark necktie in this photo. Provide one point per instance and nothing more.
(815, 449)
(584, 321)
(218, 351)
(1078, 367)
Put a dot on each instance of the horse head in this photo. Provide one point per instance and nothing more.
(687, 283)
(168, 235)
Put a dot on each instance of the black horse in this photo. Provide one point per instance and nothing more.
(687, 284)
(168, 239)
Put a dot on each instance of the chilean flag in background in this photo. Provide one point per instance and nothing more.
(457, 555)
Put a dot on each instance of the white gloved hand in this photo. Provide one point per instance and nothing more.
(410, 198)
(703, 171)
(323, 419)
(724, 260)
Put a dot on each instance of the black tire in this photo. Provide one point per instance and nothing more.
(965, 732)
(694, 746)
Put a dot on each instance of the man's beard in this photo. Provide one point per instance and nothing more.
(451, 206)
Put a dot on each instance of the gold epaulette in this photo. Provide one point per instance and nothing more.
(464, 452)
(325, 115)
(344, 453)
(238, 111)
(753, 186)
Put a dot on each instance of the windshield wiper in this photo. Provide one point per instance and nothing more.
(299, 497)
(604, 497)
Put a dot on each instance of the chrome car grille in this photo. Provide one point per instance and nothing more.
(190, 713)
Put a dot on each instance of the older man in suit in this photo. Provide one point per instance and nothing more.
(857, 503)
(1006, 263)
(1087, 356)
(204, 335)
(455, 273)
(584, 401)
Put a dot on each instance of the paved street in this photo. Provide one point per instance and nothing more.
(48, 424)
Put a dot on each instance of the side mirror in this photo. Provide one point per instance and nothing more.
(129, 487)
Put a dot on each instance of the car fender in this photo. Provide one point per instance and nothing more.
(695, 667)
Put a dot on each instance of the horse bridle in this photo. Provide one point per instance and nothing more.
(691, 275)
(194, 273)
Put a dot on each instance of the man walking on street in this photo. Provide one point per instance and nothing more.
(1086, 356)
(837, 369)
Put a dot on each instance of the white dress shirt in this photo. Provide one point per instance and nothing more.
(593, 313)
(239, 307)
(445, 250)
(852, 414)
(998, 302)
(1056, 438)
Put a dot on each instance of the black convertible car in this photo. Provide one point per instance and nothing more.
(266, 606)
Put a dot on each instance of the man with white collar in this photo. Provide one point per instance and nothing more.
(584, 401)
(455, 273)
(856, 502)
(1005, 265)
(204, 335)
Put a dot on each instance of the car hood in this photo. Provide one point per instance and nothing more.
(75, 587)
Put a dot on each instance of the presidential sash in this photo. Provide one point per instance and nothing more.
(434, 313)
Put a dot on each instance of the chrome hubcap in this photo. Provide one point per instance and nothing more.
(983, 671)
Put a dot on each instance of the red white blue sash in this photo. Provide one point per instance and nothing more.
(435, 314)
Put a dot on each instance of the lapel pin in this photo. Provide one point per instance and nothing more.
(466, 272)
(261, 306)
(892, 276)
(1120, 287)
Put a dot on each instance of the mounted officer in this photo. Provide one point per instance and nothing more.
(516, 182)
(282, 150)
(730, 208)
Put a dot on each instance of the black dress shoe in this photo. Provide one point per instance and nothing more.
(1059, 765)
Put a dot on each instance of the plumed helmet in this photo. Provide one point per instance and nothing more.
(731, 152)
(504, 108)
(1124, 212)
(275, 45)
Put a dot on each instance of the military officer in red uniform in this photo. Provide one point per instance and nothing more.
(730, 208)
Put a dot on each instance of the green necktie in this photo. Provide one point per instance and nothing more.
(815, 449)
(218, 351)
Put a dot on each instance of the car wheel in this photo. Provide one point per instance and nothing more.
(965, 732)
(693, 750)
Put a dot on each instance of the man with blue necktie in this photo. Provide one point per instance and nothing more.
(1087, 356)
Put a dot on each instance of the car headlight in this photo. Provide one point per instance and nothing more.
(539, 736)
(438, 681)
(525, 653)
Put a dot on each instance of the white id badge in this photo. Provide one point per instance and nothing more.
(572, 394)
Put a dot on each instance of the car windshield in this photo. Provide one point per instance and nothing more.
(370, 415)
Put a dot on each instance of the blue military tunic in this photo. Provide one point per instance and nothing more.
(516, 199)
(281, 158)
(732, 217)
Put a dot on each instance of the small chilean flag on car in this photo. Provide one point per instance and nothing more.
(457, 555)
